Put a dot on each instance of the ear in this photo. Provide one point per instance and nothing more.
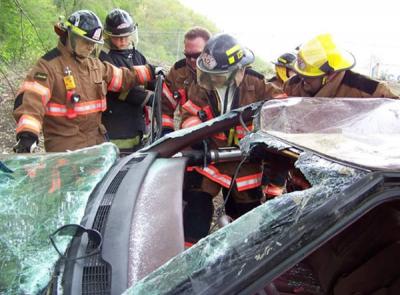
(60, 30)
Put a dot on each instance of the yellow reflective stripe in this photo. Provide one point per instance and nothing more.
(75, 29)
(116, 81)
(231, 136)
(232, 50)
(282, 60)
(127, 143)
(28, 123)
(37, 88)
(234, 53)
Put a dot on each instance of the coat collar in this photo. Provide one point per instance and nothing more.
(66, 50)
(332, 86)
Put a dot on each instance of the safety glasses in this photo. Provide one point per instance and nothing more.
(192, 55)
(57, 239)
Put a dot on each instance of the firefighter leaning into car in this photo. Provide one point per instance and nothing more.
(323, 70)
(181, 75)
(283, 69)
(360, 258)
(64, 94)
(224, 82)
(124, 118)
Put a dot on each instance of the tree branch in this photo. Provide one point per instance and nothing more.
(31, 22)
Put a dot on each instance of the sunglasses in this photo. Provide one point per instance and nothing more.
(192, 55)
(75, 231)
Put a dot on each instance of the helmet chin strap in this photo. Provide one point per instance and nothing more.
(327, 78)
(70, 45)
(324, 80)
(71, 41)
(228, 92)
(225, 96)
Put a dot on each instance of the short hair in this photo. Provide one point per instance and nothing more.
(196, 32)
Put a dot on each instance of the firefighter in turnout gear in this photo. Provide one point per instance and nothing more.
(224, 82)
(182, 75)
(64, 94)
(283, 69)
(125, 116)
(324, 70)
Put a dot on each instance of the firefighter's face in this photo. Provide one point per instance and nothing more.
(193, 49)
(214, 81)
(312, 85)
(81, 46)
(121, 42)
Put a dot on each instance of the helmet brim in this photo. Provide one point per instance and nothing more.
(279, 64)
(319, 73)
(248, 58)
(127, 34)
(118, 36)
(101, 41)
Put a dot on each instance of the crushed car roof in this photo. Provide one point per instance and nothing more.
(364, 131)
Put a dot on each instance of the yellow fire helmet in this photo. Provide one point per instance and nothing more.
(321, 56)
(283, 64)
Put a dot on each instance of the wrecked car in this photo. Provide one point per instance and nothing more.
(343, 176)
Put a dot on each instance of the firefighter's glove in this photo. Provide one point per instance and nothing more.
(159, 71)
(156, 70)
(26, 142)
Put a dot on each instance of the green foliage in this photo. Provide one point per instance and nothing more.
(26, 27)
(263, 67)
(162, 25)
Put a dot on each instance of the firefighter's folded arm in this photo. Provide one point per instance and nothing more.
(123, 79)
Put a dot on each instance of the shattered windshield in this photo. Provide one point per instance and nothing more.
(40, 193)
(361, 131)
(283, 225)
